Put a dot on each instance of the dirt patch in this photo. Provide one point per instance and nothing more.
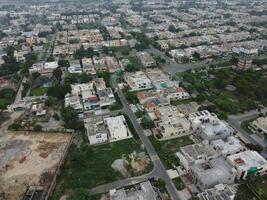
(28, 159)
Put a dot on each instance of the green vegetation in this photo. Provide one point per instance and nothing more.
(71, 119)
(134, 64)
(26, 87)
(2, 35)
(130, 96)
(37, 128)
(167, 149)
(249, 88)
(255, 187)
(87, 167)
(10, 65)
(143, 41)
(38, 91)
(178, 183)
(246, 124)
(82, 52)
(6, 97)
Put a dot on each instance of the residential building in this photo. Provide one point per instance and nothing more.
(208, 126)
(146, 59)
(212, 172)
(117, 128)
(137, 81)
(248, 162)
(88, 66)
(171, 123)
(74, 102)
(96, 130)
(142, 191)
(218, 192)
(195, 154)
(229, 146)
(259, 125)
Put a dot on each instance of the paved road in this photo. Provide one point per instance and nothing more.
(235, 122)
(159, 170)
(119, 184)
(18, 95)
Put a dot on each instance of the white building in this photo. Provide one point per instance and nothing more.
(212, 172)
(117, 128)
(146, 59)
(228, 147)
(208, 126)
(137, 81)
(220, 192)
(74, 102)
(96, 131)
(195, 154)
(259, 125)
(172, 123)
(248, 162)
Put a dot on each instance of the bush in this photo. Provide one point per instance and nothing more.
(37, 128)
(14, 127)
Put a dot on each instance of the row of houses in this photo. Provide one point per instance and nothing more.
(90, 96)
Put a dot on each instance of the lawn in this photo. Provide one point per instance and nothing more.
(87, 167)
(178, 183)
(253, 188)
(244, 193)
(167, 149)
(38, 91)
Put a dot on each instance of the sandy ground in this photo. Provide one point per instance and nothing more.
(28, 159)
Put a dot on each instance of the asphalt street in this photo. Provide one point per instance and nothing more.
(159, 170)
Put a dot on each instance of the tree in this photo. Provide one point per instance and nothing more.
(57, 73)
(90, 52)
(14, 127)
(68, 114)
(71, 119)
(80, 53)
(35, 75)
(63, 63)
(84, 78)
(58, 91)
(172, 28)
(37, 128)
(160, 184)
(50, 59)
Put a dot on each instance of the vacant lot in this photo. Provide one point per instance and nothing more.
(167, 149)
(28, 160)
(87, 167)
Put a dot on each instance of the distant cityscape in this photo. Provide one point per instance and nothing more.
(133, 100)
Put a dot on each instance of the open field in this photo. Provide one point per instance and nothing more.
(87, 167)
(28, 159)
(167, 149)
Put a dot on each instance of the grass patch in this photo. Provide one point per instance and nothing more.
(167, 149)
(87, 167)
(38, 91)
(244, 193)
(182, 101)
(179, 184)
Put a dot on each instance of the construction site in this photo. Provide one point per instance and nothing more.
(29, 159)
